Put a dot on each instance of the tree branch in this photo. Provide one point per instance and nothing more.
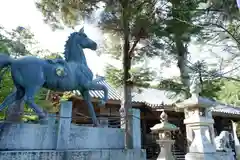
(228, 32)
(133, 47)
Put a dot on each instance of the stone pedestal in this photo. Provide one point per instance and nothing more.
(210, 156)
(166, 150)
(165, 142)
(236, 140)
(200, 131)
(200, 156)
(199, 127)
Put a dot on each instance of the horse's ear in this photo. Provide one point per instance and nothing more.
(81, 30)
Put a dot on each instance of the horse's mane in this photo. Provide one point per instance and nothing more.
(67, 46)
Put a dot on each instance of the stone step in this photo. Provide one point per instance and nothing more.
(179, 153)
(180, 157)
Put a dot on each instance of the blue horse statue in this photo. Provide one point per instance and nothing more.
(30, 73)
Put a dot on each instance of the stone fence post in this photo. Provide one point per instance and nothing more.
(64, 125)
(136, 127)
(136, 115)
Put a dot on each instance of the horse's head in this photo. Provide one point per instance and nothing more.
(85, 42)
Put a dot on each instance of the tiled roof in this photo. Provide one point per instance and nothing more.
(113, 94)
(155, 98)
(227, 109)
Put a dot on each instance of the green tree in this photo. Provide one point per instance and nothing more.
(219, 28)
(223, 89)
(230, 92)
(186, 23)
(129, 20)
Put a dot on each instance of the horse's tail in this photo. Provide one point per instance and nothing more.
(5, 60)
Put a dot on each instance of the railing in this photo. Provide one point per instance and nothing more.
(83, 120)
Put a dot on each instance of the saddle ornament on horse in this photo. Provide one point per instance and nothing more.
(60, 68)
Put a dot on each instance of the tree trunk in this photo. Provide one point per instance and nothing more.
(182, 64)
(126, 105)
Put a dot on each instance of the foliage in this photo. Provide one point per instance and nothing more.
(6, 87)
(206, 25)
(140, 77)
(58, 14)
(66, 96)
(230, 92)
(223, 90)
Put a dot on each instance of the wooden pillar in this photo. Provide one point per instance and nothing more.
(221, 124)
(144, 131)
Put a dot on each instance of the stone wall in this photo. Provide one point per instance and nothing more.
(43, 137)
(66, 141)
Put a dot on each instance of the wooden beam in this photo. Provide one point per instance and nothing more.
(111, 101)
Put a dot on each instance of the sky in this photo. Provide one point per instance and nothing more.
(15, 13)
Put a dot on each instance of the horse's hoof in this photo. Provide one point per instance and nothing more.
(96, 125)
(43, 120)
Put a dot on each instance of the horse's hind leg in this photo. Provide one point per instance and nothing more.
(14, 111)
(87, 98)
(20, 93)
(29, 100)
(8, 100)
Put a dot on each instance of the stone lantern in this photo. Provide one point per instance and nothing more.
(164, 129)
(199, 124)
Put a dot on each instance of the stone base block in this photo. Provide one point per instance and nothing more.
(210, 156)
(44, 137)
(75, 155)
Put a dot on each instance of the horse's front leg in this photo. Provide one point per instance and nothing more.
(100, 87)
(87, 98)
